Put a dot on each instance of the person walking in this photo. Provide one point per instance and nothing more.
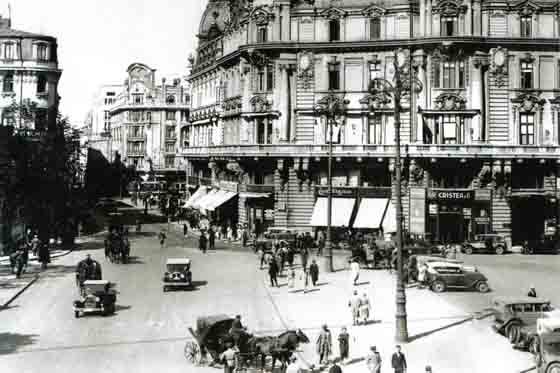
(320, 242)
(44, 256)
(398, 361)
(292, 278)
(354, 305)
(162, 238)
(305, 279)
(373, 360)
(229, 233)
(211, 239)
(343, 344)
(354, 271)
(35, 242)
(364, 309)
(273, 272)
(185, 229)
(202, 242)
(304, 256)
(335, 368)
(314, 272)
(228, 358)
(324, 345)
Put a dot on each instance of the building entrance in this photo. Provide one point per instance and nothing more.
(451, 227)
(527, 219)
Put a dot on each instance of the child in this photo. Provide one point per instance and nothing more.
(292, 278)
(343, 344)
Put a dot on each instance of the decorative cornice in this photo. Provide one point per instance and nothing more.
(449, 8)
(526, 8)
(376, 101)
(374, 11)
(261, 15)
(333, 13)
(528, 102)
(450, 101)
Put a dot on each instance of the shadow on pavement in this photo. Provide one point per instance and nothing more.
(135, 260)
(58, 270)
(11, 342)
(197, 284)
(445, 327)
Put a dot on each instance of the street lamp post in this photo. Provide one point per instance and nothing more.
(397, 88)
(330, 106)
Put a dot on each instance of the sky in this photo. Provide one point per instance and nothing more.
(99, 39)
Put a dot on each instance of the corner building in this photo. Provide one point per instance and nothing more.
(480, 141)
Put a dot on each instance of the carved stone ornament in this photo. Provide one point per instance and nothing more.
(259, 104)
(528, 102)
(261, 16)
(376, 101)
(526, 8)
(257, 58)
(374, 11)
(498, 65)
(333, 13)
(416, 172)
(449, 8)
(450, 101)
(305, 68)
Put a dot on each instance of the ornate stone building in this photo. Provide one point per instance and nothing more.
(480, 148)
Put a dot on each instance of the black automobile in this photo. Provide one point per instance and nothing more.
(445, 275)
(424, 247)
(544, 245)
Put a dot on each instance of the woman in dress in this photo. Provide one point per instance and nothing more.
(365, 309)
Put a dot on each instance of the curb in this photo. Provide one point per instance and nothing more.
(5, 305)
(58, 255)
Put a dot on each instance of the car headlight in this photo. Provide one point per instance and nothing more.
(182, 275)
(166, 274)
(97, 299)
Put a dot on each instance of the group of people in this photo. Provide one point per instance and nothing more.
(360, 308)
(30, 243)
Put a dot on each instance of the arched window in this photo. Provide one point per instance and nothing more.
(8, 84)
(170, 99)
(41, 84)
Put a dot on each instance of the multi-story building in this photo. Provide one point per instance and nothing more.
(480, 143)
(147, 120)
(29, 75)
(97, 127)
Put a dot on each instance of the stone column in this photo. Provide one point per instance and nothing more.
(284, 107)
(428, 20)
(476, 18)
(422, 18)
(476, 94)
(422, 102)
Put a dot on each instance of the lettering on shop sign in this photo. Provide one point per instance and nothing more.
(483, 195)
(337, 192)
(451, 195)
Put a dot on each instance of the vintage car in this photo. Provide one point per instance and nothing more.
(545, 245)
(423, 247)
(486, 243)
(99, 296)
(177, 274)
(516, 317)
(443, 275)
(546, 345)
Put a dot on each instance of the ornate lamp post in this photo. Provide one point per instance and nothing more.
(331, 106)
(403, 81)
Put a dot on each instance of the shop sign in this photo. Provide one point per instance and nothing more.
(228, 186)
(417, 210)
(451, 195)
(482, 220)
(467, 211)
(375, 192)
(337, 192)
(483, 195)
(339, 181)
(433, 209)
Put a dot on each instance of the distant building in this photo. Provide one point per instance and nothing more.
(29, 74)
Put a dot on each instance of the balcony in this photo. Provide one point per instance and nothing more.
(136, 152)
(414, 150)
(137, 137)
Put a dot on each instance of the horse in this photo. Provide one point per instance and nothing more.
(279, 348)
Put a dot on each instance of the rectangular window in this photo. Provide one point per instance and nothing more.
(9, 51)
(169, 162)
(260, 131)
(41, 52)
(138, 98)
(170, 132)
(169, 115)
(136, 116)
(526, 75)
(461, 75)
(374, 72)
(450, 133)
(374, 28)
(375, 125)
(8, 84)
(262, 34)
(170, 148)
(261, 84)
(526, 26)
(334, 30)
(449, 75)
(527, 129)
(448, 26)
(270, 77)
(334, 77)
(437, 73)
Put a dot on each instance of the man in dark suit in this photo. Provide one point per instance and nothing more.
(398, 361)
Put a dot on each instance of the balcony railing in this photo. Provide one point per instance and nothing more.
(413, 150)
(137, 153)
(256, 188)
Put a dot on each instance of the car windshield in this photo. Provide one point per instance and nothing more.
(177, 267)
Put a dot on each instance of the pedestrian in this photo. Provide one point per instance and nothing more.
(532, 292)
(354, 305)
(290, 256)
(291, 278)
(304, 254)
(228, 358)
(211, 239)
(273, 272)
(305, 279)
(314, 272)
(373, 360)
(185, 229)
(354, 271)
(428, 369)
(25, 255)
(422, 275)
(35, 242)
(320, 241)
(162, 236)
(364, 309)
(202, 242)
(343, 344)
(335, 368)
(44, 256)
(262, 254)
(398, 361)
(229, 233)
(324, 345)
(244, 237)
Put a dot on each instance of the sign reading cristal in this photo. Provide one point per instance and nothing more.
(451, 195)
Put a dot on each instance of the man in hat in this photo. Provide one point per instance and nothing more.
(237, 329)
(373, 360)
(324, 345)
(532, 292)
(398, 361)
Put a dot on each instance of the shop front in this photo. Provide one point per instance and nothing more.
(257, 205)
(453, 215)
(533, 216)
(220, 204)
(343, 202)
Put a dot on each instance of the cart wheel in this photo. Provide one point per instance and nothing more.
(76, 314)
(193, 354)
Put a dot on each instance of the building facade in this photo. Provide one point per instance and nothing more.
(479, 137)
(29, 76)
(147, 120)
(97, 126)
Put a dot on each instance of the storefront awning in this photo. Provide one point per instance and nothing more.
(340, 215)
(390, 220)
(200, 192)
(254, 195)
(205, 201)
(370, 214)
(221, 197)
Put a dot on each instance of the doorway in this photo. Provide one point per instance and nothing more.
(451, 227)
(527, 219)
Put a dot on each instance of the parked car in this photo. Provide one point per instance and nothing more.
(99, 297)
(516, 317)
(487, 243)
(545, 245)
(177, 274)
(546, 346)
(443, 275)
(424, 247)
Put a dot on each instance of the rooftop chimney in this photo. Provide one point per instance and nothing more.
(5, 23)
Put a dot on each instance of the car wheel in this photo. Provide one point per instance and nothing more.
(553, 368)
(514, 333)
(482, 287)
(76, 314)
(438, 286)
(500, 250)
(469, 250)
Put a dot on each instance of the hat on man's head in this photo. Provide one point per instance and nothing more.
(373, 348)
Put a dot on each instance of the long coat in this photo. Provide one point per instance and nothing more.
(314, 272)
(202, 242)
(44, 254)
(324, 342)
